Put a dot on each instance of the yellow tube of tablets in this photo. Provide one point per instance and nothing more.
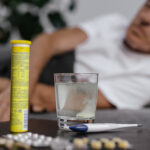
(19, 85)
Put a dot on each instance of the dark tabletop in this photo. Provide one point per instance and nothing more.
(138, 137)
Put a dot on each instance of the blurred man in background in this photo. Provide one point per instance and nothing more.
(119, 52)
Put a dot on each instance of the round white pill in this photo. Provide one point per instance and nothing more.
(20, 135)
(42, 137)
(36, 144)
(49, 139)
(10, 136)
(22, 140)
(29, 142)
(15, 137)
(35, 135)
(29, 134)
(40, 141)
(25, 137)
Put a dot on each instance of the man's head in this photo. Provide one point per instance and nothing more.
(138, 33)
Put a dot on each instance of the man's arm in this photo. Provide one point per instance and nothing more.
(45, 46)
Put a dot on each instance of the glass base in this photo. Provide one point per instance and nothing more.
(65, 123)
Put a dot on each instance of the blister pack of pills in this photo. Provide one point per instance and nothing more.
(30, 140)
(34, 140)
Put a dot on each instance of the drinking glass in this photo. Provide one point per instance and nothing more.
(76, 98)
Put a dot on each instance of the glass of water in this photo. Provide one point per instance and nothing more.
(76, 98)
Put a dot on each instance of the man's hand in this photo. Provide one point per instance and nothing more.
(43, 98)
(4, 99)
(5, 105)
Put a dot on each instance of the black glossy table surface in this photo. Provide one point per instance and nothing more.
(138, 137)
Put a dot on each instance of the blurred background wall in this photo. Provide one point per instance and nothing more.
(26, 18)
(89, 8)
